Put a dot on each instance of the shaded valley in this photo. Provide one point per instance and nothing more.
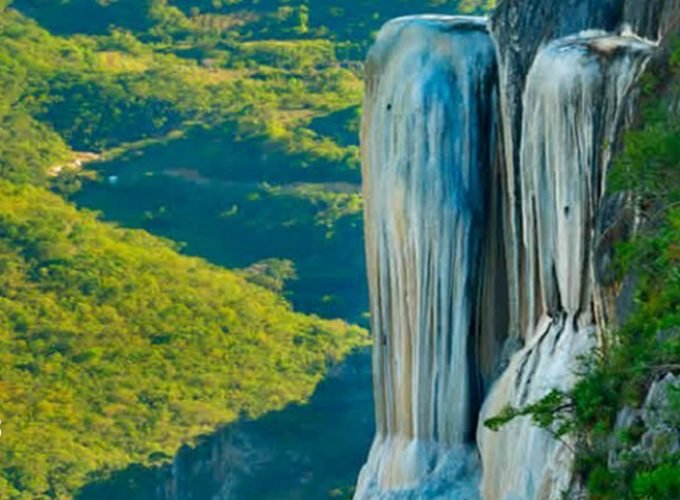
(310, 451)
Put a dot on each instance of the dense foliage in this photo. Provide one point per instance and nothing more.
(115, 349)
(229, 127)
(646, 347)
(239, 95)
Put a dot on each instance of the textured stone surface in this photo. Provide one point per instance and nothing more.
(576, 94)
(437, 190)
(558, 260)
(520, 28)
(428, 151)
(658, 421)
(618, 220)
(653, 19)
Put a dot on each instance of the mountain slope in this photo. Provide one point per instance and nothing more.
(115, 349)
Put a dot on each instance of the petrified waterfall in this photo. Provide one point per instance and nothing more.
(574, 103)
(481, 209)
(428, 137)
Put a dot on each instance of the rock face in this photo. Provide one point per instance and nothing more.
(566, 90)
(575, 96)
(488, 259)
(661, 422)
(652, 18)
(429, 142)
(520, 28)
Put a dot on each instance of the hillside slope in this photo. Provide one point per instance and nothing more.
(115, 349)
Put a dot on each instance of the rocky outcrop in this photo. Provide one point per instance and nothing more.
(576, 93)
(655, 427)
(507, 243)
(428, 157)
(653, 19)
(560, 228)
(520, 28)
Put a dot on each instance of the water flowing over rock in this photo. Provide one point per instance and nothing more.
(652, 19)
(428, 149)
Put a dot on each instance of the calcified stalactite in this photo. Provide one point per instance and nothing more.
(574, 103)
(428, 148)
(576, 94)
(520, 28)
(653, 19)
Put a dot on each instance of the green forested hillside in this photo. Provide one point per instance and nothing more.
(115, 349)
(241, 115)
(227, 127)
(226, 130)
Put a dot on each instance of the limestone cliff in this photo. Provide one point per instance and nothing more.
(485, 181)
(428, 136)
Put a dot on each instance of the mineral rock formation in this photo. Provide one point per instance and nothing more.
(428, 141)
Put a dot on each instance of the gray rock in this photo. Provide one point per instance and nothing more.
(657, 419)
(520, 28)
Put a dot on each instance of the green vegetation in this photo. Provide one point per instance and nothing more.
(226, 127)
(201, 22)
(194, 189)
(647, 346)
(241, 95)
(115, 349)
